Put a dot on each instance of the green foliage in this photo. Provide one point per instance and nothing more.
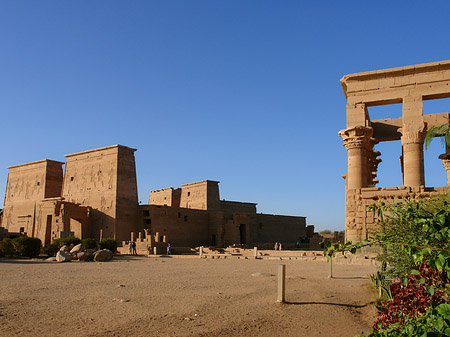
(90, 243)
(442, 131)
(414, 238)
(6, 247)
(27, 246)
(108, 243)
(67, 241)
(51, 249)
(434, 322)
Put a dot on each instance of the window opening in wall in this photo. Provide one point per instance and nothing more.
(179, 215)
(22, 229)
(242, 232)
(38, 183)
(189, 193)
(146, 213)
(148, 221)
(185, 218)
(435, 174)
(71, 178)
(161, 238)
(213, 240)
(389, 172)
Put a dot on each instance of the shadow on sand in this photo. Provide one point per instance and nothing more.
(327, 303)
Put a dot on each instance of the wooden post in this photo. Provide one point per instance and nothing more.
(331, 268)
(281, 283)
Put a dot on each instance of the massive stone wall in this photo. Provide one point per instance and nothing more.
(105, 180)
(27, 185)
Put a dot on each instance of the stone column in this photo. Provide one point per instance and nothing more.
(357, 141)
(413, 168)
(446, 163)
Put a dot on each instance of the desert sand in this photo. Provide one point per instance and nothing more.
(164, 296)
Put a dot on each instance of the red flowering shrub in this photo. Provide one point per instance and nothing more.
(413, 295)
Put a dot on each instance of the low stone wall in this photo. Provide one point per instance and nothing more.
(360, 221)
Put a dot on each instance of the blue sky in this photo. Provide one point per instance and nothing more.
(244, 92)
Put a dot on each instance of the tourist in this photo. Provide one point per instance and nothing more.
(276, 246)
(280, 246)
(130, 247)
(134, 248)
(169, 249)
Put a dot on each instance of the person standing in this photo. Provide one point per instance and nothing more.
(169, 249)
(276, 246)
(134, 248)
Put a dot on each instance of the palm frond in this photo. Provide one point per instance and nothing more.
(442, 131)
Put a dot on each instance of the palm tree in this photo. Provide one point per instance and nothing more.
(442, 131)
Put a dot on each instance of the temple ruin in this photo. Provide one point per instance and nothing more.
(96, 196)
(409, 86)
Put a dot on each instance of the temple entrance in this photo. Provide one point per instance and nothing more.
(242, 234)
(48, 230)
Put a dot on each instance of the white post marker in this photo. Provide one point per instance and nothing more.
(331, 268)
(155, 251)
(281, 283)
(255, 252)
(201, 251)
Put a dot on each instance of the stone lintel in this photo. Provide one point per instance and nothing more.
(403, 76)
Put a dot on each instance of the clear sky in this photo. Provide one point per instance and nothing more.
(244, 92)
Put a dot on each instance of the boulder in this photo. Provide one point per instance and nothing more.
(78, 248)
(82, 256)
(71, 246)
(51, 259)
(62, 256)
(90, 254)
(103, 255)
(64, 248)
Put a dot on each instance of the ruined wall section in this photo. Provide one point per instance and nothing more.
(182, 227)
(28, 184)
(361, 222)
(235, 206)
(268, 228)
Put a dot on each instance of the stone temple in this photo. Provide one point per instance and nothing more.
(409, 86)
(96, 196)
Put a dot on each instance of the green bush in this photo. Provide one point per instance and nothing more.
(90, 243)
(108, 243)
(6, 247)
(67, 241)
(51, 249)
(27, 246)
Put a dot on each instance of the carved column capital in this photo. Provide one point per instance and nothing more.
(413, 136)
(445, 157)
(358, 137)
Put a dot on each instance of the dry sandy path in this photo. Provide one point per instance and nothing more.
(182, 297)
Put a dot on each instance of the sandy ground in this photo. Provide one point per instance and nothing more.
(142, 296)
